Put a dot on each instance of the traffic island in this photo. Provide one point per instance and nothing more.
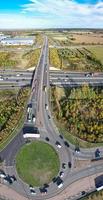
(37, 163)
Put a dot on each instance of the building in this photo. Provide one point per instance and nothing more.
(2, 37)
(17, 41)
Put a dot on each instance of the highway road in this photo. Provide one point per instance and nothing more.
(14, 78)
(73, 79)
(45, 124)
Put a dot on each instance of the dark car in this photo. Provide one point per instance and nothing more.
(54, 179)
(97, 153)
(69, 164)
(59, 182)
(43, 190)
(83, 193)
(63, 165)
(47, 139)
(46, 185)
(48, 116)
(8, 179)
(32, 191)
(66, 143)
(77, 149)
(61, 136)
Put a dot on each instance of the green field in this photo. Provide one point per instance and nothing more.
(37, 163)
(98, 52)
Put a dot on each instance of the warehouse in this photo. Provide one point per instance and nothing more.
(17, 41)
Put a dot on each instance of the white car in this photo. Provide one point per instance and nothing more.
(34, 119)
(58, 144)
(61, 174)
(2, 175)
(18, 75)
(46, 106)
(60, 185)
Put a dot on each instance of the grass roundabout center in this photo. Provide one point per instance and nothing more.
(37, 163)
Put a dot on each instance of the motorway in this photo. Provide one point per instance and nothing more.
(47, 128)
(14, 78)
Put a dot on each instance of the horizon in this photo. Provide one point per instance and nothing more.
(51, 14)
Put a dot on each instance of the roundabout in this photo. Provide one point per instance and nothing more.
(37, 163)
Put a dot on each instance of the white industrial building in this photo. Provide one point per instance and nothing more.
(17, 41)
(2, 37)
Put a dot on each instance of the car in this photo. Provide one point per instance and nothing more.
(8, 179)
(32, 191)
(48, 116)
(97, 153)
(13, 178)
(69, 164)
(18, 75)
(61, 136)
(2, 174)
(59, 182)
(46, 106)
(43, 190)
(33, 118)
(67, 76)
(1, 79)
(46, 185)
(31, 187)
(89, 74)
(58, 144)
(54, 179)
(83, 192)
(77, 149)
(47, 139)
(64, 165)
(66, 143)
(61, 174)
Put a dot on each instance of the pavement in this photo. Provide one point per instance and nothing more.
(70, 192)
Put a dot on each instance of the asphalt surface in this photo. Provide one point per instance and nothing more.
(14, 78)
(47, 128)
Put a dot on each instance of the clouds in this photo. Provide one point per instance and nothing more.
(55, 13)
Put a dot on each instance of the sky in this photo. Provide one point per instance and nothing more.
(27, 14)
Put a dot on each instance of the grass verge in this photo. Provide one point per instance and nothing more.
(37, 163)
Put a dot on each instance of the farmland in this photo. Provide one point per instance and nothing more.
(97, 51)
(85, 38)
(80, 111)
(79, 59)
(59, 39)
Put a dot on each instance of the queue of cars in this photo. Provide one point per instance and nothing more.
(6, 177)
